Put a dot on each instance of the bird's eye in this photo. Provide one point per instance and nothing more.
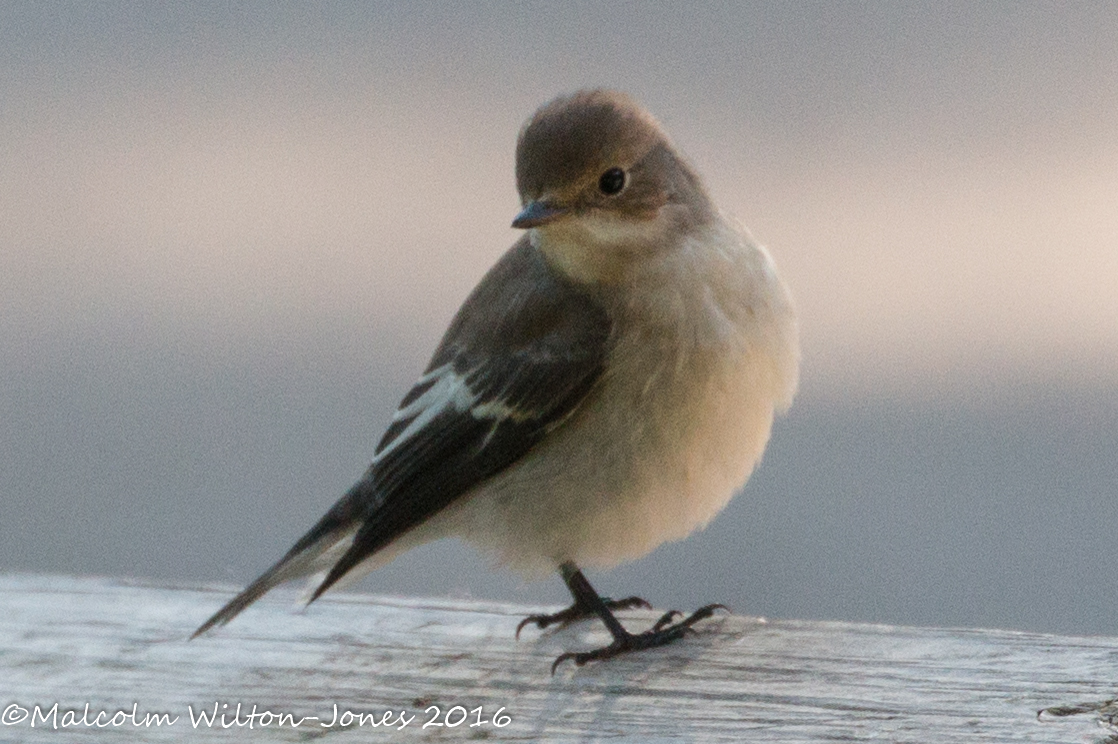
(612, 181)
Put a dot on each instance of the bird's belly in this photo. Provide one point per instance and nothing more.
(655, 452)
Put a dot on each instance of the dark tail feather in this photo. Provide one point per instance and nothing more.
(314, 552)
(303, 560)
(255, 591)
(354, 555)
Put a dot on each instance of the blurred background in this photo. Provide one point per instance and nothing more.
(231, 235)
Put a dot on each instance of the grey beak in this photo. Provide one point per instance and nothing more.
(537, 213)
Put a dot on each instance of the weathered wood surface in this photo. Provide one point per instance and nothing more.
(112, 644)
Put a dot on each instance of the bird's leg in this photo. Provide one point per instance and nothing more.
(583, 607)
(663, 632)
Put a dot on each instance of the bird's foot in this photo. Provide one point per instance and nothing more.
(580, 612)
(661, 634)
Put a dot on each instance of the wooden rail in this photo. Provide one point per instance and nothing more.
(120, 648)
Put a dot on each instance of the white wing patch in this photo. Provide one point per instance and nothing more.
(449, 390)
(497, 410)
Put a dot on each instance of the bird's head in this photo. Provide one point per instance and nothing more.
(601, 185)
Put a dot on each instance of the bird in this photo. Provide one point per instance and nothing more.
(607, 387)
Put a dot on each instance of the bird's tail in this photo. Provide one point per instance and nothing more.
(313, 559)
(316, 552)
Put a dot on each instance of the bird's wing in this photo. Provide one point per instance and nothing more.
(518, 358)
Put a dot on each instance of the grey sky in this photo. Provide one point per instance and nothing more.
(231, 235)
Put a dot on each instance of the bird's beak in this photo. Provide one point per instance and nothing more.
(536, 213)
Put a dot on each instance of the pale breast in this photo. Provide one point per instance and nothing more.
(678, 422)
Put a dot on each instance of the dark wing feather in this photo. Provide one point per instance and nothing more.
(523, 351)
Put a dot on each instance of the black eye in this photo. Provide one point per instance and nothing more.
(612, 181)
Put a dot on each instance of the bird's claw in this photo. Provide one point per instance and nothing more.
(577, 612)
(661, 634)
